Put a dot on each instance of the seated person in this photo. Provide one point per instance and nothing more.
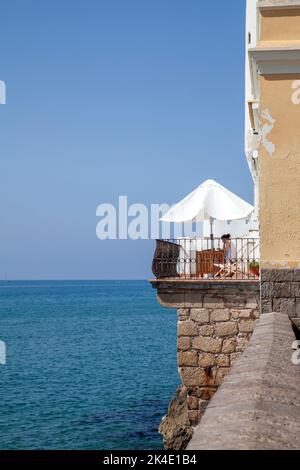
(229, 249)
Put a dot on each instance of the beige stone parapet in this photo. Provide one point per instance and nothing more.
(258, 405)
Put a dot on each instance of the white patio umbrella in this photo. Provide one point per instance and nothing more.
(210, 201)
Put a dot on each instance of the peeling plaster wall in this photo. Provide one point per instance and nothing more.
(267, 125)
(280, 171)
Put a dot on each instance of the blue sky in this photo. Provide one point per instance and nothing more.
(106, 98)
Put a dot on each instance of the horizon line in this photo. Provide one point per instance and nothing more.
(71, 280)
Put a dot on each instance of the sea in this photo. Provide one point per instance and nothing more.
(89, 365)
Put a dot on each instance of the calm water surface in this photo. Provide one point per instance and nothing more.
(90, 365)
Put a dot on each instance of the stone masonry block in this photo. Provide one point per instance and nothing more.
(281, 290)
(265, 290)
(241, 344)
(229, 345)
(235, 301)
(183, 313)
(207, 344)
(220, 374)
(213, 302)
(189, 358)
(207, 360)
(295, 289)
(184, 343)
(226, 329)
(200, 316)
(265, 275)
(187, 328)
(206, 330)
(277, 275)
(220, 315)
(282, 275)
(193, 376)
(171, 300)
(286, 306)
(246, 326)
(266, 306)
(246, 313)
(235, 314)
(194, 300)
(252, 304)
(223, 361)
(203, 393)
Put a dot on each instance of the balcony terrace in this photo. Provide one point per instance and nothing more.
(206, 260)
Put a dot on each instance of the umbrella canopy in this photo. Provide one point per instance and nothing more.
(210, 201)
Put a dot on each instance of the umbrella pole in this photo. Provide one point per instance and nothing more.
(212, 244)
(212, 233)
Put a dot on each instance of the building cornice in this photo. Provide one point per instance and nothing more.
(278, 4)
(274, 61)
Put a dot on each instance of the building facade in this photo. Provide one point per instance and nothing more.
(273, 145)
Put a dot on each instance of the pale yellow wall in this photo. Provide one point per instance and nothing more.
(280, 147)
(280, 171)
(279, 26)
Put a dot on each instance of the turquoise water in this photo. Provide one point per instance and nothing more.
(90, 365)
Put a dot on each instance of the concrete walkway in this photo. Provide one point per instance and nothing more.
(258, 405)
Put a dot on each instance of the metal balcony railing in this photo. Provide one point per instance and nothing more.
(207, 259)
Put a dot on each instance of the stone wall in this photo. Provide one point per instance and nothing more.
(215, 323)
(280, 291)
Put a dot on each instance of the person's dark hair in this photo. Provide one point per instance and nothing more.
(226, 237)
